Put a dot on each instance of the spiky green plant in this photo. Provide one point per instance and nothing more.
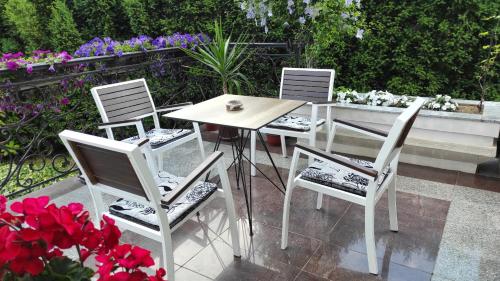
(224, 60)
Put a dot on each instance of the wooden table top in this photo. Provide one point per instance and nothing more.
(256, 113)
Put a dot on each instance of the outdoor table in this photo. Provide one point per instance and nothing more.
(256, 113)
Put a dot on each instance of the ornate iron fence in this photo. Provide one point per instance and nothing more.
(35, 107)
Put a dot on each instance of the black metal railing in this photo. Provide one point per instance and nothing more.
(35, 107)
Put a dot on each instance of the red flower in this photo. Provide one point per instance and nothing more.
(3, 203)
(111, 234)
(160, 273)
(31, 206)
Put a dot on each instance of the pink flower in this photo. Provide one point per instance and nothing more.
(29, 68)
(12, 65)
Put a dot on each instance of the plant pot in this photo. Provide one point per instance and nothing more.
(228, 133)
(211, 127)
(273, 140)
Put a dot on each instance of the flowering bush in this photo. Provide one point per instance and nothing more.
(403, 101)
(108, 46)
(349, 96)
(19, 60)
(379, 98)
(33, 238)
(442, 103)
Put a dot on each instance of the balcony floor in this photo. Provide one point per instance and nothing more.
(447, 231)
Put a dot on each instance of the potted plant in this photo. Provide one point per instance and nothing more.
(224, 60)
(35, 236)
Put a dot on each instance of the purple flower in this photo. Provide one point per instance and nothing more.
(12, 65)
(64, 101)
(119, 53)
(29, 68)
(52, 68)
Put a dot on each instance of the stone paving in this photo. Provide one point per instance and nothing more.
(447, 232)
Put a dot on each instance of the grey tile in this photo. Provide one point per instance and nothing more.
(455, 264)
(426, 188)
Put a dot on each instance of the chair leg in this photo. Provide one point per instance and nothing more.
(319, 201)
(286, 216)
(231, 213)
(168, 258)
(283, 146)
(253, 140)
(393, 211)
(199, 139)
(370, 239)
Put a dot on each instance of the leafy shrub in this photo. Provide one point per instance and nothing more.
(412, 47)
(137, 16)
(22, 15)
(62, 28)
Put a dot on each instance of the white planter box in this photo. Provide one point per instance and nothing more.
(447, 140)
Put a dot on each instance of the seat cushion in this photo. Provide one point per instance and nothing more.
(294, 123)
(159, 137)
(325, 173)
(166, 182)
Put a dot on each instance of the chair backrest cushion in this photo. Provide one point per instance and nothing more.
(105, 166)
(123, 101)
(312, 85)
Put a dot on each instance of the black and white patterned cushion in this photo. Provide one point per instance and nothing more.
(325, 173)
(294, 123)
(166, 182)
(159, 137)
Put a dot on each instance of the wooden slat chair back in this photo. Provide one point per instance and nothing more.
(127, 103)
(305, 84)
(391, 149)
(108, 168)
(367, 181)
(120, 169)
(124, 101)
(311, 85)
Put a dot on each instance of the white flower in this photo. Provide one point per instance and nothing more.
(453, 107)
(436, 106)
(359, 33)
(307, 1)
(348, 100)
(243, 5)
(344, 15)
(302, 20)
(348, 3)
(447, 98)
(438, 96)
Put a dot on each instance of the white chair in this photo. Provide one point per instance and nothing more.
(127, 103)
(358, 181)
(152, 206)
(306, 84)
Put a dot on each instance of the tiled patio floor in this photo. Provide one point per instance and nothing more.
(447, 232)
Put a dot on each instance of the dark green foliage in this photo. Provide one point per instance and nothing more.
(62, 28)
(137, 16)
(422, 47)
(414, 47)
(100, 18)
(22, 15)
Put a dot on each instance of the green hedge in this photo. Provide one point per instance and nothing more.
(422, 47)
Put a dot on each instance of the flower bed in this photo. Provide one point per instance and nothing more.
(108, 46)
(384, 98)
(99, 47)
(19, 60)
